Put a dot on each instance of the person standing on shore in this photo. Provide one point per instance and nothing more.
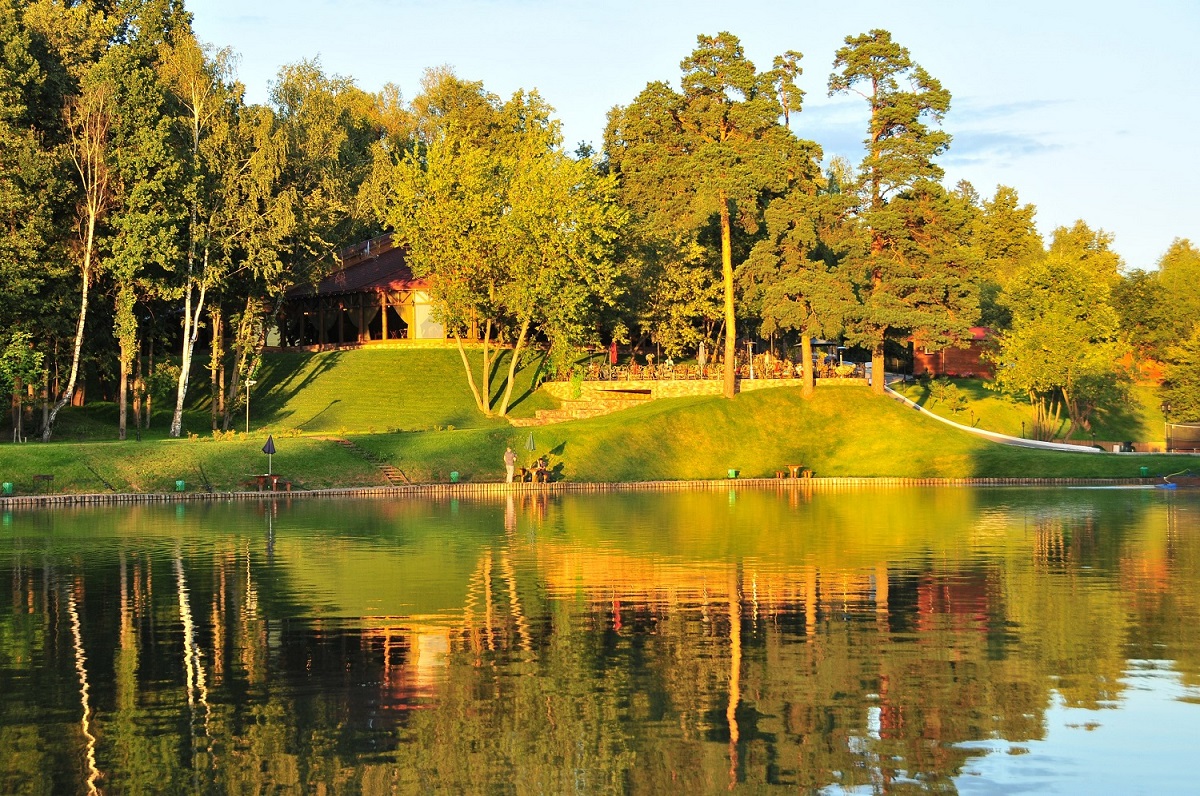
(510, 463)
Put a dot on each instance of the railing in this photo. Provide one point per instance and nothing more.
(666, 371)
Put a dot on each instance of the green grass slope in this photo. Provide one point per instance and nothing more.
(385, 389)
(1141, 420)
(842, 431)
(845, 431)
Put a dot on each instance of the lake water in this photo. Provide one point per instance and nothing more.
(863, 641)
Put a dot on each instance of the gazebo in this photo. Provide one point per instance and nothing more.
(373, 298)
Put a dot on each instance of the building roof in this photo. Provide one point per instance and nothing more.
(374, 266)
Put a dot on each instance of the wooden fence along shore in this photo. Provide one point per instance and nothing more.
(500, 488)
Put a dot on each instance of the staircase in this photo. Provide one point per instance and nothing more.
(394, 475)
(591, 404)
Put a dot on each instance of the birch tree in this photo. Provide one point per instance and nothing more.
(87, 118)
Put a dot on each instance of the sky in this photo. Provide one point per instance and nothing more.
(1088, 108)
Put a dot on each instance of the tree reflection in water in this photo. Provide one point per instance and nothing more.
(626, 643)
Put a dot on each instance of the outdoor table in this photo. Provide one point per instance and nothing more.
(795, 469)
(262, 479)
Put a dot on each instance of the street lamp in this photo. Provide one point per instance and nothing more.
(249, 383)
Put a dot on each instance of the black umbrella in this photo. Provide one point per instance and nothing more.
(269, 449)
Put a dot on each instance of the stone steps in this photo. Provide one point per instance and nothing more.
(394, 475)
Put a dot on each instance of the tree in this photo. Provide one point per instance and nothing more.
(912, 273)
(1007, 239)
(1179, 280)
(508, 231)
(88, 121)
(1065, 343)
(198, 79)
(150, 204)
(21, 366)
(715, 149)
(796, 269)
(1181, 389)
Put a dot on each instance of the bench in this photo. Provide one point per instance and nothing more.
(261, 481)
(533, 475)
(42, 481)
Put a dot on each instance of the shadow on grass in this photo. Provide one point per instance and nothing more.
(286, 375)
(318, 414)
(530, 368)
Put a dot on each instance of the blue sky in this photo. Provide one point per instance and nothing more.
(1088, 109)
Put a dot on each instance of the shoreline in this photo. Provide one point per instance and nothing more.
(559, 487)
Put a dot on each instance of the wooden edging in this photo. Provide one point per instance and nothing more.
(488, 489)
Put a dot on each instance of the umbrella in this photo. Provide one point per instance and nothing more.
(269, 449)
(529, 443)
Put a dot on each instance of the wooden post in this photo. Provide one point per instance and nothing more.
(383, 301)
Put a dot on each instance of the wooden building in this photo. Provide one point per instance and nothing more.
(967, 361)
(372, 298)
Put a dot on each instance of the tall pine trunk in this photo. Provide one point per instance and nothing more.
(806, 362)
(727, 277)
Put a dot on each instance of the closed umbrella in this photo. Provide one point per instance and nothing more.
(269, 449)
(530, 445)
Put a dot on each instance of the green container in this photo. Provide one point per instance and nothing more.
(733, 473)
(1145, 471)
(8, 487)
(180, 486)
(454, 476)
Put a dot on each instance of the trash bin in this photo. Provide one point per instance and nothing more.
(1144, 471)
(7, 487)
(180, 486)
(454, 476)
(733, 473)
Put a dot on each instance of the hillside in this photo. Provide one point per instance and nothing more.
(411, 408)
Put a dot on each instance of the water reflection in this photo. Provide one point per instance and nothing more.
(867, 640)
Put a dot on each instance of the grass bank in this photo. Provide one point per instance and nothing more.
(412, 409)
(842, 431)
(1140, 420)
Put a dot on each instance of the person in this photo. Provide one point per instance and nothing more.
(541, 469)
(510, 462)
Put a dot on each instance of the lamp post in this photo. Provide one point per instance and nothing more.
(249, 383)
(750, 356)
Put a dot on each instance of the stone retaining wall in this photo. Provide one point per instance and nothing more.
(492, 489)
(679, 388)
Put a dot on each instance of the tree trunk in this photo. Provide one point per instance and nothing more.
(512, 367)
(727, 278)
(123, 395)
(806, 363)
(191, 331)
(215, 359)
(877, 374)
(138, 383)
(482, 401)
(149, 375)
(65, 398)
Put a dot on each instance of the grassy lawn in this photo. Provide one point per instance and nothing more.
(385, 389)
(842, 432)
(1139, 421)
(412, 409)
(336, 392)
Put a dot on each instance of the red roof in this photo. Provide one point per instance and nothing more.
(372, 267)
